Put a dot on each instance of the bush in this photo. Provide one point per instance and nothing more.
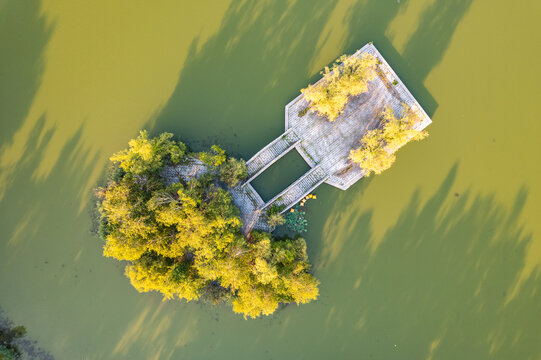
(7, 353)
(8, 348)
(274, 218)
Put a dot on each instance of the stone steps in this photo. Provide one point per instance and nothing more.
(299, 189)
(271, 153)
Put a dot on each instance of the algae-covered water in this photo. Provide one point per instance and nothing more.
(437, 258)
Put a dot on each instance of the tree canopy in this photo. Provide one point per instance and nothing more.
(233, 171)
(377, 152)
(348, 76)
(184, 238)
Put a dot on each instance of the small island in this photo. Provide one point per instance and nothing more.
(192, 227)
(169, 213)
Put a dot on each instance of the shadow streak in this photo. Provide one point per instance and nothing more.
(230, 91)
(438, 281)
(423, 51)
(24, 35)
(47, 264)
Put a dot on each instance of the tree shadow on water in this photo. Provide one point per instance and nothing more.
(231, 87)
(425, 48)
(50, 267)
(438, 283)
(23, 37)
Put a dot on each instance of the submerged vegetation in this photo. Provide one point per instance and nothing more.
(348, 76)
(296, 221)
(377, 152)
(184, 238)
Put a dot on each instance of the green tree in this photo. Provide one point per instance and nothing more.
(233, 171)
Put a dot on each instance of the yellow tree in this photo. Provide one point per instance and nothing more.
(184, 240)
(372, 156)
(379, 145)
(144, 155)
(397, 132)
(302, 287)
(349, 76)
(154, 273)
(256, 300)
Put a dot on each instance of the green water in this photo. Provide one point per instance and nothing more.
(438, 258)
(280, 175)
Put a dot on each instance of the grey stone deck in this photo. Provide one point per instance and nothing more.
(324, 145)
(329, 143)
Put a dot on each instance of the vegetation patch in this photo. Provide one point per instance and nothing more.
(304, 111)
(184, 240)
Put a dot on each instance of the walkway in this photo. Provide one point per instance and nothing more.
(299, 189)
(271, 153)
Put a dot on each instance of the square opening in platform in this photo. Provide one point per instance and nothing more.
(280, 175)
